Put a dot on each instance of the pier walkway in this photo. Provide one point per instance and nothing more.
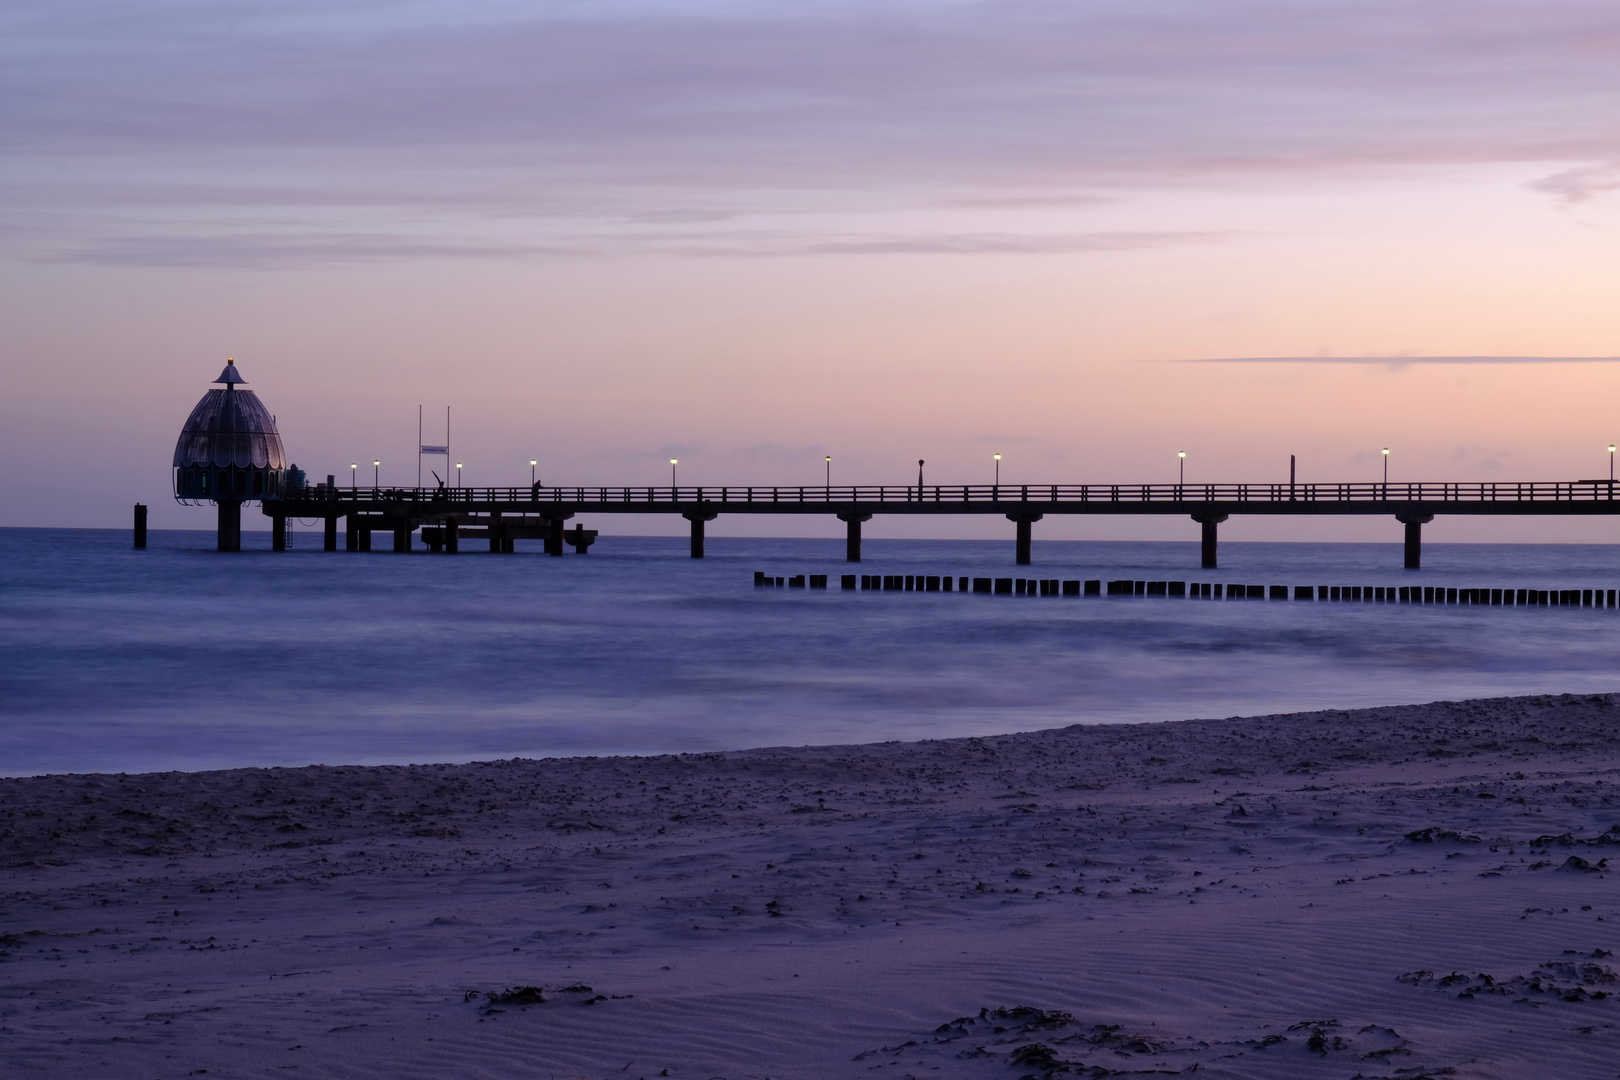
(502, 515)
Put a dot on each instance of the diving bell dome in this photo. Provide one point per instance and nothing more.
(229, 449)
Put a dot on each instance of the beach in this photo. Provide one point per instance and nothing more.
(1409, 891)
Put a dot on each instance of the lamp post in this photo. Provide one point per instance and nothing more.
(672, 463)
(1386, 466)
(532, 464)
(998, 470)
(1611, 463)
(829, 475)
(919, 479)
(1182, 456)
(376, 472)
(354, 477)
(458, 474)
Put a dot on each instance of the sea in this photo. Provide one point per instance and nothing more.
(180, 657)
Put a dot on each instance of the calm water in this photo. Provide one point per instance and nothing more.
(178, 657)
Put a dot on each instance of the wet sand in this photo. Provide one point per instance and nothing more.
(1412, 891)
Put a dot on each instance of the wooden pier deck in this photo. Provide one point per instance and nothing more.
(503, 514)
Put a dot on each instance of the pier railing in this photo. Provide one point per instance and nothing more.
(980, 494)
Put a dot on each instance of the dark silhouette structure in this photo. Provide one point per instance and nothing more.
(230, 453)
(540, 511)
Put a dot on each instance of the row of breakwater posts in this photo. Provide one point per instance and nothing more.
(437, 519)
(1198, 590)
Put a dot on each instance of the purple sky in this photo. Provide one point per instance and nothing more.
(752, 235)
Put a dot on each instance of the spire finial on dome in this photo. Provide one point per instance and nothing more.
(230, 376)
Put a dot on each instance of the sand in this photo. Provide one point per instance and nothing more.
(1414, 891)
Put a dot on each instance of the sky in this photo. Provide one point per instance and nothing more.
(1085, 235)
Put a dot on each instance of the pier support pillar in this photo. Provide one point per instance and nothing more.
(1414, 537)
(697, 521)
(402, 536)
(852, 535)
(140, 526)
(554, 536)
(365, 536)
(1025, 534)
(278, 532)
(329, 540)
(230, 525)
(497, 533)
(1209, 522)
(351, 532)
(452, 536)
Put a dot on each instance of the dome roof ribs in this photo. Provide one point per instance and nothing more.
(230, 428)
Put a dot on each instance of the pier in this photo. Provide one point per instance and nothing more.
(499, 515)
(230, 453)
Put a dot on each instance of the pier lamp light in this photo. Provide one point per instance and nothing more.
(376, 472)
(672, 463)
(1386, 464)
(354, 482)
(998, 470)
(532, 464)
(1182, 456)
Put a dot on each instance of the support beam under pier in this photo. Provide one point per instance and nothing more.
(329, 541)
(1209, 522)
(1025, 534)
(230, 525)
(140, 526)
(1414, 537)
(278, 532)
(697, 521)
(402, 536)
(852, 535)
(351, 532)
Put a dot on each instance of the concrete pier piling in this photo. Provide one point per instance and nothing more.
(230, 525)
(1209, 523)
(140, 526)
(329, 534)
(852, 535)
(697, 518)
(278, 532)
(1024, 521)
(1414, 538)
(581, 539)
